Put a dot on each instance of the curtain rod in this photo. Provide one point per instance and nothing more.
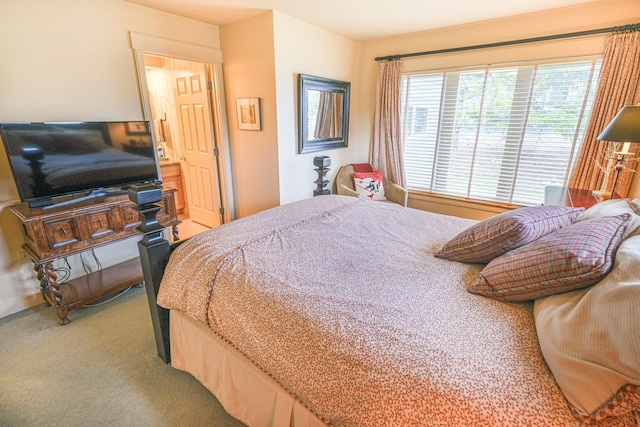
(622, 28)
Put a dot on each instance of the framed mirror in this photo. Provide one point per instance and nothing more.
(323, 113)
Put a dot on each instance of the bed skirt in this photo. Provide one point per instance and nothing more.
(243, 389)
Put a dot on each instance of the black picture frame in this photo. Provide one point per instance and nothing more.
(309, 89)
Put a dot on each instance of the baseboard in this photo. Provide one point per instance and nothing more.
(10, 307)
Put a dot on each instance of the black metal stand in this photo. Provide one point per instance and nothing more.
(619, 168)
(322, 164)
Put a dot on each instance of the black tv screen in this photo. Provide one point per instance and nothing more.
(51, 160)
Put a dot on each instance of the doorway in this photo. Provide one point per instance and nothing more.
(182, 120)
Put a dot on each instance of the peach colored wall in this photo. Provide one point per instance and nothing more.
(249, 72)
(600, 14)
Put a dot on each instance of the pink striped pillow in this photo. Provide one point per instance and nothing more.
(497, 235)
(571, 258)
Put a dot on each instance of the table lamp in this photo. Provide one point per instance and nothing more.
(625, 128)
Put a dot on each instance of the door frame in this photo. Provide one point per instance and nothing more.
(220, 133)
(212, 59)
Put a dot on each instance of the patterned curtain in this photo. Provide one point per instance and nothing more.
(329, 121)
(386, 149)
(619, 85)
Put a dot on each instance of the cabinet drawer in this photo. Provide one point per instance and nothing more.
(131, 217)
(100, 223)
(62, 232)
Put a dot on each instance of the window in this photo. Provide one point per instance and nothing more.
(417, 120)
(496, 133)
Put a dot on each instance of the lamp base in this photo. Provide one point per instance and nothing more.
(601, 195)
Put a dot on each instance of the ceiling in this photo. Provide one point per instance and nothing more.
(361, 19)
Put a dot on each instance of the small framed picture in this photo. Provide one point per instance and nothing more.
(249, 113)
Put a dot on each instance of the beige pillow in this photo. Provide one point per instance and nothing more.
(591, 340)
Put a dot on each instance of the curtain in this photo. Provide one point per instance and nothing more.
(619, 85)
(386, 148)
(329, 121)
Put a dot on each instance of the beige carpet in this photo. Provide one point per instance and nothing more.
(99, 370)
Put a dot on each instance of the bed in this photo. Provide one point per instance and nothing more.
(342, 311)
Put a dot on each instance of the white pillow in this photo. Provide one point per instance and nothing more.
(635, 205)
(615, 207)
(590, 339)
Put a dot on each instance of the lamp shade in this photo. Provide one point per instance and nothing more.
(625, 126)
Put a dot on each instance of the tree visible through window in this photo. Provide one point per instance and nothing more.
(497, 134)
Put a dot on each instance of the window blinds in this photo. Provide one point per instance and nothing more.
(496, 133)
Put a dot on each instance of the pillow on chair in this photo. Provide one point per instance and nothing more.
(369, 185)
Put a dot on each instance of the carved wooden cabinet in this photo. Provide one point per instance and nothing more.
(60, 232)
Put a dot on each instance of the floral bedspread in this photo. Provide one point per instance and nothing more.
(342, 302)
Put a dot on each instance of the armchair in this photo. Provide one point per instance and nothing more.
(345, 186)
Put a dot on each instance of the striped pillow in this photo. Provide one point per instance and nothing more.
(497, 235)
(571, 258)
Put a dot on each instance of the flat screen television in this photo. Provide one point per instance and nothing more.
(61, 163)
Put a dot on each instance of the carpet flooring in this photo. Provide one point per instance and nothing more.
(99, 370)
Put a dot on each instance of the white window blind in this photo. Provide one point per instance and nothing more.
(496, 133)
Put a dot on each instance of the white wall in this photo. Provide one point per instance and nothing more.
(301, 48)
(68, 60)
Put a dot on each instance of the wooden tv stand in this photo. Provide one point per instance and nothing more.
(56, 233)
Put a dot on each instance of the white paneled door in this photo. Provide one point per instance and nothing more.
(198, 160)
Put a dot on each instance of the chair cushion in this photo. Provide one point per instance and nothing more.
(362, 167)
(369, 185)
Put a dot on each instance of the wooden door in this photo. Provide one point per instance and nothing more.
(198, 157)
